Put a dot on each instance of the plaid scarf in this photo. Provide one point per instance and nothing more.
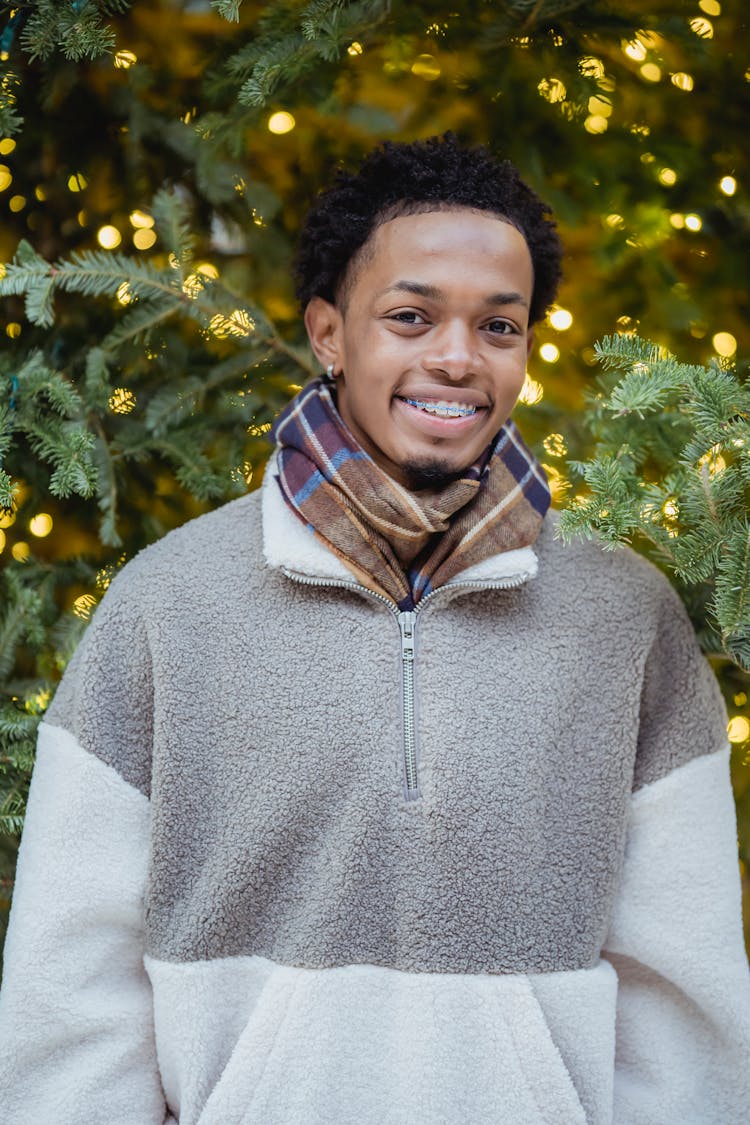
(398, 543)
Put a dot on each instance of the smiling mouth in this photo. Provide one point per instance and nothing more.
(442, 409)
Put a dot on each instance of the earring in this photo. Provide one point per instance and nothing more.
(330, 371)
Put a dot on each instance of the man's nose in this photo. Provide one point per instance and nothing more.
(451, 349)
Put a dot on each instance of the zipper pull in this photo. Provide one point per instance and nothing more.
(406, 625)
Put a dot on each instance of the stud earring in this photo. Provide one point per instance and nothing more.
(329, 371)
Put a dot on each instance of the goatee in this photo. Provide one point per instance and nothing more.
(421, 475)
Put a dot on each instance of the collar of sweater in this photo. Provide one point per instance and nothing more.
(289, 546)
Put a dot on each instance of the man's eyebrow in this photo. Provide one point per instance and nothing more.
(432, 293)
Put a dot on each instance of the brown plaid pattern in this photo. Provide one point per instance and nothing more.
(398, 543)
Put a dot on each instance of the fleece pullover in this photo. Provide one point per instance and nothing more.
(292, 859)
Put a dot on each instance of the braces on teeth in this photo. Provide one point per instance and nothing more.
(449, 411)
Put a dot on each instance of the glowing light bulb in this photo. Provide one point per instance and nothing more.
(651, 72)
(281, 122)
(728, 185)
(144, 238)
(667, 176)
(123, 60)
(531, 392)
(354, 49)
(595, 123)
(738, 729)
(552, 90)
(561, 319)
(108, 237)
(635, 50)
(141, 219)
(693, 222)
(682, 81)
(40, 525)
(550, 353)
(724, 344)
(7, 144)
(77, 182)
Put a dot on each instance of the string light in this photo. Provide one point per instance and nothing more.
(703, 28)
(208, 269)
(40, 525)
(677, 220)
(560, 319)
(20, 551)
(724, 344)
(2, 541)
(554, 445)
(354, 49)
(108, 237)
(682, 81)
(601, 107)
(141, 219)
(281, 122)
(531, 391)
(728, 185)
(40, 193)
(634, 49)
(426, 67)
(651, 72)
(595, 123)
(550, 353)
(6, 177)
(83, 606)
(738, 729)
(17, 202)
(667, 176)
(710, 7)
(552, 90)
(77, 182)
(693, 222)
(125, 294)
(13, 330)
(121, 401)
(7, 144)
(144, 238)
(123, 60)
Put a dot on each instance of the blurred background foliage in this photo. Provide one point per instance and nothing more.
(155, 163)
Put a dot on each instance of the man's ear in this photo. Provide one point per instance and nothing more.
(324, 325)
(529, 342)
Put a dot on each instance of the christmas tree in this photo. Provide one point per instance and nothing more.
(155, 162)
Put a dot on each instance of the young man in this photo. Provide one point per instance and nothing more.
(364, 800)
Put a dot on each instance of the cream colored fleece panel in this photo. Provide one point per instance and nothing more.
(372, 1046)
(683, 1023)
(76, 1022)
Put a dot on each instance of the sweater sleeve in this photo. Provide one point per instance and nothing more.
(76, 1015)
(675, 940)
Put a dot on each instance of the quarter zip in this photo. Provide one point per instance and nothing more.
(407, 622)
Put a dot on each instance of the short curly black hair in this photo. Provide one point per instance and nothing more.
(406, 179)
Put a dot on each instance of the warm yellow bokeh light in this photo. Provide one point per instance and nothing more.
(40, 193)
(17, 202)
(667, 176)
(208, 269)
(192, 286)
(595, 123)
(651, 72)
(682, 81)
(20, 551)
(123, 60)
(144, 238)
(552, 90)
(354, 48)
(125, 294)
(693, 222)
(635, 50)
(710, 7)
(2, 541)
(677, 220)
(724, 344)
(141, 219)
(281, 122)
(531, 392)
(738, 729)
(7, 519)
(77, 182)
(554, 445)
(615, 221)
(40, 525)
(13, 330)
(600, 106)
(591, 66)
(702, 27)
(550, 353)
(108, 237)
(426, 67)
(83, 606)
(6, 177)
(7, 144)
(728, 185)
(121, 401)
(561, 319)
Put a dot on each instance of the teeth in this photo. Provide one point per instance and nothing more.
(443, 409)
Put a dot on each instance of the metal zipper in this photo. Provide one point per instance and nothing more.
(407, 620)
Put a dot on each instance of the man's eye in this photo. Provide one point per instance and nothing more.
(501, 327)
(408, 318)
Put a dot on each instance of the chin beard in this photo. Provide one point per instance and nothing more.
(430, 474)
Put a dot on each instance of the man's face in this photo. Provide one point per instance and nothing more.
(433, 342)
